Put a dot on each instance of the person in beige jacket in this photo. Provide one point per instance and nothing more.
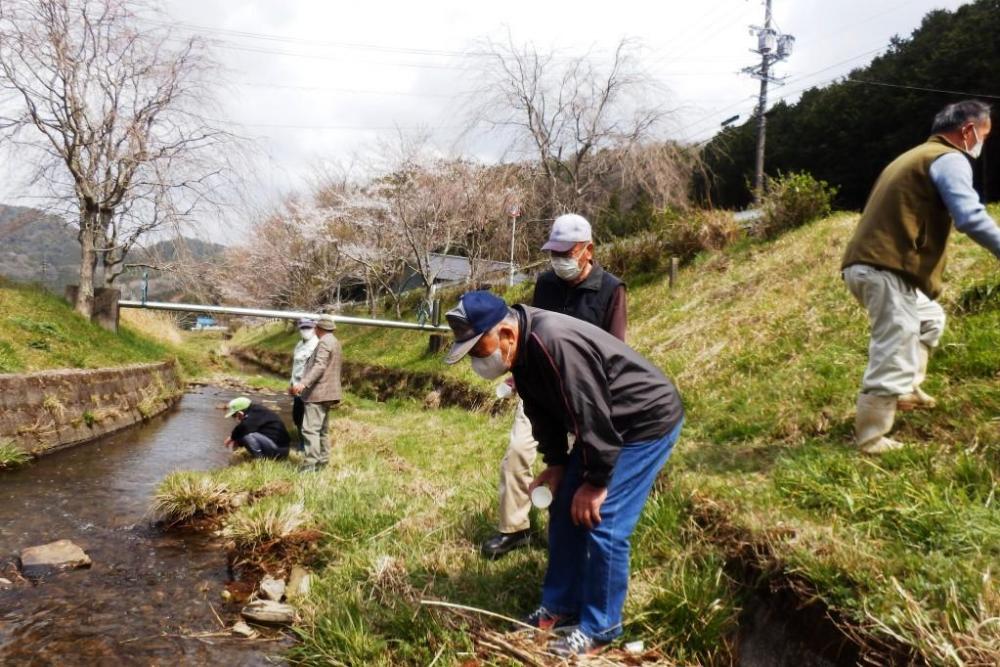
(320, 391)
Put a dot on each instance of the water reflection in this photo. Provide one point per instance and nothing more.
(149, 597)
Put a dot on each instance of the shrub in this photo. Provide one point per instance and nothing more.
(791, 201)
(681, 235)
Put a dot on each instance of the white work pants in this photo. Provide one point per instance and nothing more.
(902, 318)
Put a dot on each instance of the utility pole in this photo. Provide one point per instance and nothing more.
(772, 47)
(515, 212)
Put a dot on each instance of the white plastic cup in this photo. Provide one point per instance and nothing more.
(541, 497)
(504, 390)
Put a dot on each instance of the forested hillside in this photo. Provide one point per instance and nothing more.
(847, 132)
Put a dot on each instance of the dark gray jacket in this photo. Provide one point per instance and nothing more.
(577, 378)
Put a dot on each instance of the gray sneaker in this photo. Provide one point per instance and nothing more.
(576, 644)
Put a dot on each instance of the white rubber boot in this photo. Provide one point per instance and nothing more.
(873, 420)
(918, 399)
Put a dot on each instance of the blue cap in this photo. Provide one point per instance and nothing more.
(475, 314)
(306, 323)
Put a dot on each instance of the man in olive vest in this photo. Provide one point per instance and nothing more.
(894, 263)
(577, 286)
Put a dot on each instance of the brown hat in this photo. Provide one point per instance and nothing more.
(326, 322)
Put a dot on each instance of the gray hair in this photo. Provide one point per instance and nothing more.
(954, 116)
(510, 319)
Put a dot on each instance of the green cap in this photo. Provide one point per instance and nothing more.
(239, 404)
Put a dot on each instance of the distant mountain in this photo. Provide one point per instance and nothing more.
(42, 248)
(37, 247)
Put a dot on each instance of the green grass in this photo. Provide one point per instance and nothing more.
(384, 347)
(767, 348)
(12, 456)
(39, 331)
(402, 512)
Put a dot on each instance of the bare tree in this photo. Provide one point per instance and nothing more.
(290, 259)
(574, 117)
(110, 112)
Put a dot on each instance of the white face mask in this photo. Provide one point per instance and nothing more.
(977, 148)
(491, 367)
(566, 268)
(307, 334)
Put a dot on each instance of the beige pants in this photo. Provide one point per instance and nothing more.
(516, 475)
(315, 426)
(902, 318)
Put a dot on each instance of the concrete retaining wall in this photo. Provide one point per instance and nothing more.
(41, 412)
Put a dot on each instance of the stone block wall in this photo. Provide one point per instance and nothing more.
(41, 412)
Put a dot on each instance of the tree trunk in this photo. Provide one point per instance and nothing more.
(88, 264)
(111, 256)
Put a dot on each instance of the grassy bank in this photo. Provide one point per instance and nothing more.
(395, 348)
(767, 348)
(40, 331)
(400, 513)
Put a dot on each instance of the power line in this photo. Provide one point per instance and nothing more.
(923, 89)
(313, 42)
(264, 84)
(794, 79)
(359, 128)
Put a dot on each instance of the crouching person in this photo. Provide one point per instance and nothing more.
(259, 430)
(626, 417)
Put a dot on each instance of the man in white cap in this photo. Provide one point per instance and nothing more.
(579, 287)
(300, 356)
(320, 391)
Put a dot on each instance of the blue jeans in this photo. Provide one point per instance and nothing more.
(262, 447)
(588, 569)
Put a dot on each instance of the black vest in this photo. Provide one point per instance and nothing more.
(589, 301)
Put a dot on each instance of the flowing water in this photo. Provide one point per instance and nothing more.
(150, 598)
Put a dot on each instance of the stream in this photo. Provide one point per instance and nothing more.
(150, 598)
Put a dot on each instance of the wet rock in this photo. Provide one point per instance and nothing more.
(269, 612)
(298, 583)
(52, 557)
(241, 629)
(272, 589)
(5, 584)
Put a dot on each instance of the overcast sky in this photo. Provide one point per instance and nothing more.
(318, 80)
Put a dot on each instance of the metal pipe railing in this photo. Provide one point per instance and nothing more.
(280, 314)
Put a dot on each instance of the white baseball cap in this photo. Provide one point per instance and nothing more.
(567, 231)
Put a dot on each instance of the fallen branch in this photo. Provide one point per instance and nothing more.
(476, 610)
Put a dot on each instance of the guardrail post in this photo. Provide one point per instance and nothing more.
(674, 266)
(437, 340)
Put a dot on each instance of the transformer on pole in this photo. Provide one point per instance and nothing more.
(772, 47)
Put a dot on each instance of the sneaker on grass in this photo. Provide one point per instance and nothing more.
(545, 620)
(576, 644)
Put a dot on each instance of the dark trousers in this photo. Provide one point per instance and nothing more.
(262, 447)
(298, 414)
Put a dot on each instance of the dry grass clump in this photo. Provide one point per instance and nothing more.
(272, 519)
(158, 325)
(962, 634)
(185, 495)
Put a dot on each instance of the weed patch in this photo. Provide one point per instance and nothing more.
(12, 456)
